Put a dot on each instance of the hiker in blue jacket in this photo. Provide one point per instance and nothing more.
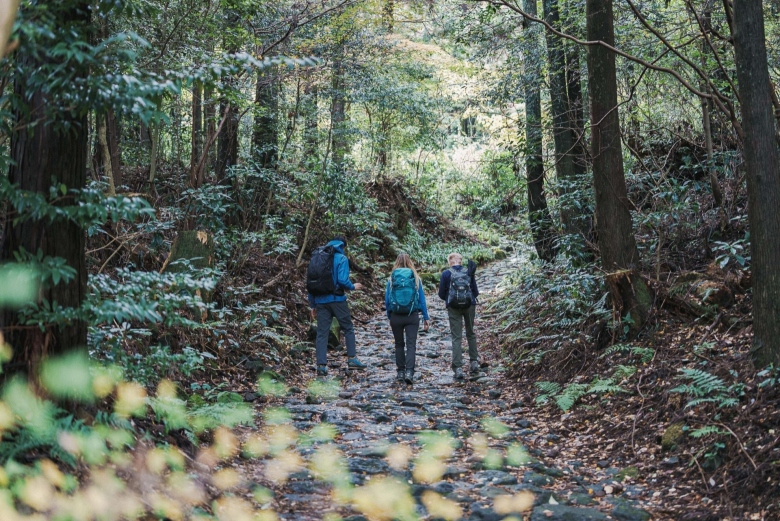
(458, 289)
(325, 307)
(404, 301)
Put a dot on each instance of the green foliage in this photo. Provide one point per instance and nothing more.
(706, 431)
(552, 308)
(733, 252)
(22, 283)
(704, 387)
(645, 354)
(431, 254)
(567, 396)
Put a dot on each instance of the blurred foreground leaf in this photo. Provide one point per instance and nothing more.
(19, 285)
(68, 377)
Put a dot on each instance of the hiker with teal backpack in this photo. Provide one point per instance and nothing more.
(458, 289)
(404, 301)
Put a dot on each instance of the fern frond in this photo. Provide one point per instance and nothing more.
(605, 386)
(705, 431)
(645, 353)
(548, 387)
(617, 348)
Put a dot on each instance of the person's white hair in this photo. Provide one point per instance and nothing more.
(454, 259)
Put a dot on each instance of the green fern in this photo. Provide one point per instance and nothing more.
(599, 386)
(708, 388)
(570, 395)
(548, 390)
(702, 383)
(623, 371)
(616, 348)
(645, 353)
(705, 431)
(26, 442)
(548, 387)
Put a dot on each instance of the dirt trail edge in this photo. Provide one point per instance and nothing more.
(379, 423)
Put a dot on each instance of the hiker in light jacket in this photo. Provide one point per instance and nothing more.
(404, 301)
(325, 307)
(461, 313)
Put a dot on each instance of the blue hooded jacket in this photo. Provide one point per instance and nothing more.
(340, 277)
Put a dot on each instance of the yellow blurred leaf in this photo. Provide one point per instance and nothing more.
(255, 446)
(130, 399)
(398, 456)
(233, 509)
(166, 389)
(52, 473)
(519, 502)
(428, 470)
(226, 479)
(384, 499)
(37, 493)
(225, 443)
(441, 507)
(279, 468)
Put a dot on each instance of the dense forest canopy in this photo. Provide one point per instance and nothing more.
(169, 166)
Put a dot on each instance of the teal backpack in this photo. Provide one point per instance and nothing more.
(403, 291)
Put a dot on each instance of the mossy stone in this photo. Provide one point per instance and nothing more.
(672, 436)
(628, 472)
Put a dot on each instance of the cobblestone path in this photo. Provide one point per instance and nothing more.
(485, 477)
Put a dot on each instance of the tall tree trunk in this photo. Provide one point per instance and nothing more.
(617, 246)
(266, 132)
(763, 177)
(574, 90)
(154, 135)
(114, 139)
(227, 143)
(53, 150)
(706, 110)
(563, 133)
(388, 15)
(210, 122)
(310, 127)
(338, 111)
(384, 145)
(105, 153)
(197, 133)
(538, 212)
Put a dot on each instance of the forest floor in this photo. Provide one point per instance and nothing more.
(381, 425)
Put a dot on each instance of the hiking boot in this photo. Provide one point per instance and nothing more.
(459, 373)
(400, 376)
(409, 376)
(322, 370)
(354, 363)
(474, 366)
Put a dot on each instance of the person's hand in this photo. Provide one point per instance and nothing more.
(358, 286)
(426, 325)
(313, 313)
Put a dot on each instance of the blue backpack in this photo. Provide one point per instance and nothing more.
(403, 291)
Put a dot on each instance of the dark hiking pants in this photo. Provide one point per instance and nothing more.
(325, 314)
(405, 327)
(457, 318)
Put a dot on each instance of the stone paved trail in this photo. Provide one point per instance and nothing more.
(372, 411)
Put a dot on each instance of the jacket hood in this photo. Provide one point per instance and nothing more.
(338, 245)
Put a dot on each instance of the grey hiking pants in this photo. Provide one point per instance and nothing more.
(325, 314)
(405, 326)
(457, 318)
